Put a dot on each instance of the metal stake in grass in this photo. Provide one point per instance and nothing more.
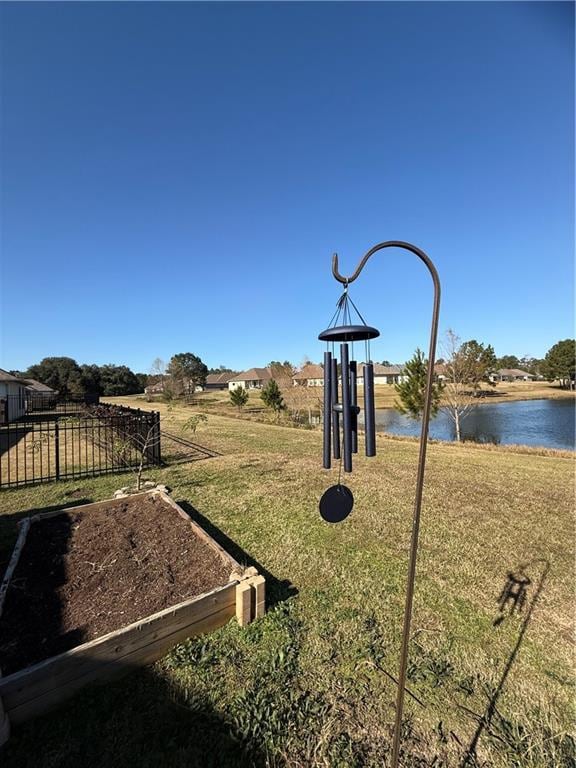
(336, 503)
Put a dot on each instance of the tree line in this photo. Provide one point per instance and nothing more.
(67, 377)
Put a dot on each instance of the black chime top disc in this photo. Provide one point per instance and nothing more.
(349, 333)
(336, 504)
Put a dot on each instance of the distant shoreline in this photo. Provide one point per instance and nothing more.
(503, 392)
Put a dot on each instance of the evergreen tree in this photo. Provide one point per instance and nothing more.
(560, 362)
(222, 369)
(239, 397)
(478, 361)
(508, 361)
(272, 397)
(187, 371)
(531, 365)
(118, 380)
(412, 391)
(63, 374)
(92, 379)
(142, 380)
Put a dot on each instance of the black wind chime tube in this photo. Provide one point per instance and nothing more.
(327, 426)
(353, 404)
(335, 414)
(369, 412)
(346, 412)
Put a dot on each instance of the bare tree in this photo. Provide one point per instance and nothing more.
(283, 374)
(146, 445)
(459, 370)
(304, 398)
(130, 441)
(157, 374)
(158, 368)
(297, 398)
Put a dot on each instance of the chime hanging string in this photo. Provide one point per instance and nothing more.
(343, 308)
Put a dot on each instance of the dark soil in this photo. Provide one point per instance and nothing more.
(84, 574)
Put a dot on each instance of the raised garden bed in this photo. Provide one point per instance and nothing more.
(97, 590)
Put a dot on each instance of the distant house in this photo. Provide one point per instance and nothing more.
(32, 385)
(218, 380)
(440, 370)
(255, 378)
(39, 396)
(383, 374)
(12, 397)
(184, 386)
(155, 389)
(511, 374)
(310, 375)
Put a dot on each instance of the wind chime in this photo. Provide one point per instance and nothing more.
(341, 409)
(341, 416)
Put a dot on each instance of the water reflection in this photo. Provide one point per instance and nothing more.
(545, 423)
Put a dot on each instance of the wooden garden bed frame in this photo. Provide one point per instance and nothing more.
(42, 686)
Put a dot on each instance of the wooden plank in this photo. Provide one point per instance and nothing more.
(24, 526)
(244, 603)
(83, 507)
(258, 583)
(112, 648)
(101, 671)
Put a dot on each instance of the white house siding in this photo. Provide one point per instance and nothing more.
(391, 379)
(308, 382)
(15, 394)
(252, 384)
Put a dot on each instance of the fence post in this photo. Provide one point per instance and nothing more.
(57, 448)
(157, 438)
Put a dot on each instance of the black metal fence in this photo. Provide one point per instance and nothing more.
(77, 441)
(40, 402)
(30, 404)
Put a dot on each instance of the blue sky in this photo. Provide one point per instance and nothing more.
(176, 176)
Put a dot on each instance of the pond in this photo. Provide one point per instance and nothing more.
(544, 423)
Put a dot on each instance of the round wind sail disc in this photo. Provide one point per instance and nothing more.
(336, 504)
(349, 333)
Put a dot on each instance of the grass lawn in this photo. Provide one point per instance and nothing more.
(311, 683)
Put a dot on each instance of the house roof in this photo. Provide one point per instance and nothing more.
(219, 378)
(254, 374)
(512, 372)
(310, 371)
(382, 370)
(157, 387)
(388, 370)
(37, 386)
(5, 376)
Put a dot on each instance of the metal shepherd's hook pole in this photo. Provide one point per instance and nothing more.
(421, 466)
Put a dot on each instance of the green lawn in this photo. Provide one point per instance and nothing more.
(310, 685)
